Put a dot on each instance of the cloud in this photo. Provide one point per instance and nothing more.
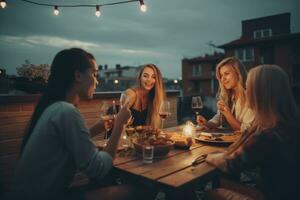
(50, 41)
(62, 43)
(167, 32)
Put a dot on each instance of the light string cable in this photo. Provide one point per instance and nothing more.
(78, 5)
(97, 6)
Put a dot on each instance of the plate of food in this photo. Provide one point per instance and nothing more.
(162, 145)
(216, 137)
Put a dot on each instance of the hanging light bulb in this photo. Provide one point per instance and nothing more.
(143, 6)
(2, 3)
(56, 11)
(98, 13)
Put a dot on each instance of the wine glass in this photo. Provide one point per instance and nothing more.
(106, 116)
(124, 99)
(114, 111)
(220, 97)
(197, 105)
(164, 112)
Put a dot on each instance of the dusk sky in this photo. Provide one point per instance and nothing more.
(169, 31)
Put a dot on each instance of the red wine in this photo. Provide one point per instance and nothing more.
(164, 115)
(197, 109)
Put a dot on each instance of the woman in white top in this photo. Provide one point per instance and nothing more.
(231, 104)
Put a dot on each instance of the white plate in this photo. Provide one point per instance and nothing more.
(215, 140)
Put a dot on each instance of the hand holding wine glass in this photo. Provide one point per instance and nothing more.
(106, 117)
(164, 111)
(220, 102)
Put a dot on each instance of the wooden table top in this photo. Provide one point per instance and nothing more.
(174, 170)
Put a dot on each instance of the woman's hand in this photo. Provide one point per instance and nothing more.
(108, 124)
(218, 160)
(223, 108)
(123, 116)
(201, 120)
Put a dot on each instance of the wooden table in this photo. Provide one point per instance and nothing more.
(174, 171)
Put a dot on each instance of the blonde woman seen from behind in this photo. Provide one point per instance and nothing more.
(231, 104)
(145, 98)
(273, 148)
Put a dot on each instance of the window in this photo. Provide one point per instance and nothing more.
(262, 33)
(257, 34)
(245, 54)
(197, 70)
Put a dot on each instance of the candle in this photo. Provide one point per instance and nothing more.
(188, 129)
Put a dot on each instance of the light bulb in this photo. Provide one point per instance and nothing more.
(143, 8)
(56, 11)
(3, 4)
(98, 13)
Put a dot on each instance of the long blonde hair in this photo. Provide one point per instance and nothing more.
(155, 97)
(241, 73)
(270, 96)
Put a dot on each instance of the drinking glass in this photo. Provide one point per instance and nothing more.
(148, 153)
(106, 116)
(220, 97)
(197, 105)
(164, 112)
(114, 111)
(124, 99)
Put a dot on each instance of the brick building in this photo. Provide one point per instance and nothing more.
(198, 75)
(265, 40)
(268, 40)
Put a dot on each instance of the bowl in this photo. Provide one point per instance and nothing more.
(159, 149)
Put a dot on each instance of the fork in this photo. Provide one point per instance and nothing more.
(200, 159)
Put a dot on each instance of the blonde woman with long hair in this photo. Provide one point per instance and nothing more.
(273, 147)
(231, 104)
(145, 98)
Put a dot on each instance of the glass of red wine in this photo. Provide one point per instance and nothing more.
(164, 112)
(197, 105)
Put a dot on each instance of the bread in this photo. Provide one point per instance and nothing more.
(181, 140)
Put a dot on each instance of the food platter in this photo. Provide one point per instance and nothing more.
(217, 137)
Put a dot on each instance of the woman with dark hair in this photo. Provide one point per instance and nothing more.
(273, 147)
(145, 98)
(57, 142)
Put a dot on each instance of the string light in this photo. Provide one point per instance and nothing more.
(143, 6)
(98, 13)
(56, 11)
(2, 3)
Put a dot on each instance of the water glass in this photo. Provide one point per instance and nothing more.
(148, 153)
